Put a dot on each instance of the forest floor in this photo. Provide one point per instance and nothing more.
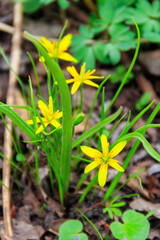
(26, 198)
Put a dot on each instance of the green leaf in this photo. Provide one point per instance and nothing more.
(86, 32)
(110, 213)
(63, 4)
(145, 143)
(71, 230)
(152, 36)
(31, 6)
(120, 204)
(89, 58)
(120, 15)
(135, 226)
(144, 100)
(96, 128)
(81, 53)
(99, 52)
(18, 121)
(78, 42)
(117, 211)
(114, 56)
(106, 11)
(58, 75)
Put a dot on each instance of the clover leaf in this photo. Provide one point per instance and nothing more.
(136, 226)
(147, 20)
(71, 230)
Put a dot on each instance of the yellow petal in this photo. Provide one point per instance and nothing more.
(67, 57)
(92, 165)
(46, 43)
(65, 42)
(70, 80)
(44, 109)
(73, 72)
(55, 123)
(40, 129)
(113, 163)
(58, 114)
(31, 121)
(104, 144)
(91, 152)
(102, 175)
(88, 82)
(117, 149)
(75, 87)
(50, 107)
(82, 72)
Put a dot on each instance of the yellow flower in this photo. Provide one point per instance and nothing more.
(103, 159)
(81, 78)
(49, 116)
(58, 50)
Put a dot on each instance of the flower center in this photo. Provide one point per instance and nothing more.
(105, 158)
(49, 118)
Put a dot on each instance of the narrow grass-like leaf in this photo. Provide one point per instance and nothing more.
(91, 224)
(35, 72)
(96, 128)
(65, 161)
(18, 121)
(94, 101)
(89, 187)
(145, 143)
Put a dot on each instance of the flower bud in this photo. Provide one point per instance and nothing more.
(78, 118)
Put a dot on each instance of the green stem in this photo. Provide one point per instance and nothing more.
(81, 104)
(129, 70)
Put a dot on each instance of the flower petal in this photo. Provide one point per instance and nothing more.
(58, 114)
(91, 152)
(50, 106)
(46, 43)
(102, 175)
(88, 82)
(92, 165)
(40, 129)
(65, 42)
(31, 121)
(55, 123)
(113, 163)
(67, 57)
(44, 109)
(117, 149)
(75, 87)
(82, 72)
(70, 80)
(73, 72)
(104, 144)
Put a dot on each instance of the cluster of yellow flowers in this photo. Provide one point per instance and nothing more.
(58, 50)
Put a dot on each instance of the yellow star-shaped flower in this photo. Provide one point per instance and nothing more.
(81, 78)
(103, 159)
(49, 116)
(58, 50)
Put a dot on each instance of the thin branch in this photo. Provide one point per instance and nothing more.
(15, 63)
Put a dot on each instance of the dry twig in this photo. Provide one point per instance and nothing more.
(15, 63)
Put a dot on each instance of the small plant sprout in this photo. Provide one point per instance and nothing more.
(112, 207)
(49, 116)
(81, 78)
(58, 49)
(103, 159)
